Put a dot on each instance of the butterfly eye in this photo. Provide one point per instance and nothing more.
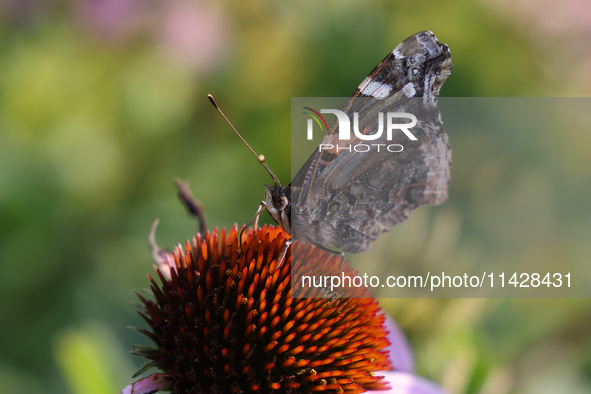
(415, 71)
(280, 202)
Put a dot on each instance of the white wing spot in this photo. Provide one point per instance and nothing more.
(409, 90)
(397, 54)
(377, 89)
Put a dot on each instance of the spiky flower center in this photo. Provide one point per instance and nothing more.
(226, 323)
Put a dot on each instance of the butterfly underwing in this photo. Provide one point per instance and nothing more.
(341, 200)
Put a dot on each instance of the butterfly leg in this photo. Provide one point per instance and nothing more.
(283, 253)
(255, 219)
(260, 209)
(193, 206)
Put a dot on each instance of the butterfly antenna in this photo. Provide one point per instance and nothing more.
(260, 158)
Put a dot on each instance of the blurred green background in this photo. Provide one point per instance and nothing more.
(103, 103)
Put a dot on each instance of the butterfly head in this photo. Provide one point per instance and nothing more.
(278, 199)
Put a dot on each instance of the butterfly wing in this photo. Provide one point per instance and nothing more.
(345, 199)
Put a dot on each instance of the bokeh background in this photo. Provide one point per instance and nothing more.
(103, 103)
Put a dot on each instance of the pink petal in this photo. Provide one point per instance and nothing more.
(401, 353)
(151, 384)
(405, 383)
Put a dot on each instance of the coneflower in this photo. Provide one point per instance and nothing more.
(226, 323)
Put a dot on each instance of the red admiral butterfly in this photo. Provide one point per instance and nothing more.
(343, 199)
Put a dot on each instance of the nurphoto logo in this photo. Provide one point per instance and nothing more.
(393, 124)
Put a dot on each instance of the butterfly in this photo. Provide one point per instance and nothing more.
(342, 200)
